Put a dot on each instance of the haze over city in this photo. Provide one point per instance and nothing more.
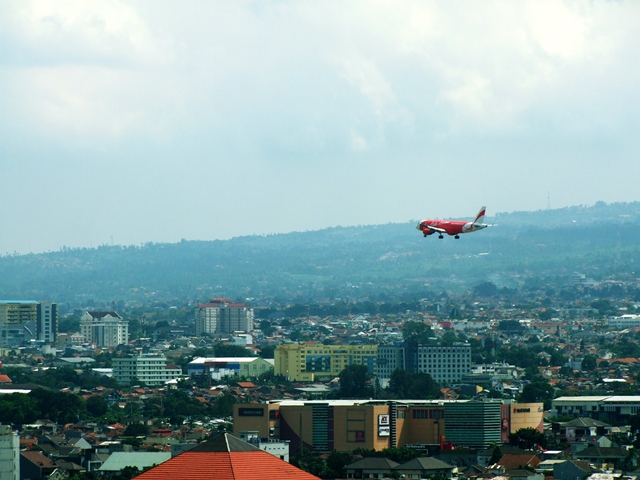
(130, 122)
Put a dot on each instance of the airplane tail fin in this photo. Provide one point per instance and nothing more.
(480, 217)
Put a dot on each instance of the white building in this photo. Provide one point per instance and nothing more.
(105, 329)
(148, 369)
(221, 315)
(444, 364)
(47, 321)
(220, 367)
(9, 454)
(624, 321)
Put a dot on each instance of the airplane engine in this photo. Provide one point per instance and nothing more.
(427, 231)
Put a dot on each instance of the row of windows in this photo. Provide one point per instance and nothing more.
(432, 414)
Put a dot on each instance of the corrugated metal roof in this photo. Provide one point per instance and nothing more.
(119, 460)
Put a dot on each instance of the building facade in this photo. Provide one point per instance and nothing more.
(9, 454)
(220, 367)
(148, 369)
(611, 409)
(309, 362)
(624, 321)
(473, 424)
(105, 329)
(443, 363)
(346, 425)
(47, 321)
(17, 321)
(221, 315)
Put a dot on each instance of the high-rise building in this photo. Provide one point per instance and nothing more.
(443, 363)
(47, 321)
(9, 454)
(20, 321)
(221, 315)
(105, 329)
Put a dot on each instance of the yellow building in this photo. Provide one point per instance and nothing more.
(14, 316)
(18, 311)
(309, 362)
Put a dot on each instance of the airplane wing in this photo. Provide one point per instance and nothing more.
(436, 229)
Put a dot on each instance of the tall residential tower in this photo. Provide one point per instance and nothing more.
(221, 315)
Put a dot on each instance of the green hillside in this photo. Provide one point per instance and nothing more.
(376, 262)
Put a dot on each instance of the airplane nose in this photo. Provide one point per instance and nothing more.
(419, 227)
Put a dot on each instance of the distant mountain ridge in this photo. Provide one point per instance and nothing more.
(374, 262)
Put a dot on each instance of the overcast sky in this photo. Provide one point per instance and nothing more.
(130, 122)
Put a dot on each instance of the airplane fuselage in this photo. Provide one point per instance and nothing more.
(452, 227)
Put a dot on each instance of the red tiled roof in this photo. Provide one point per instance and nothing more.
(256, 465)
(5, 379)
(515, 461)
(225, 458)
(39, 459)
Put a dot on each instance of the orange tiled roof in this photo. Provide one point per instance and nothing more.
(225, 458)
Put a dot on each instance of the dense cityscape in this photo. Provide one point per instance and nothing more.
(467, 383)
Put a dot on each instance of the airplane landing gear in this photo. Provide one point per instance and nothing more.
(457, 237)
(440, 237)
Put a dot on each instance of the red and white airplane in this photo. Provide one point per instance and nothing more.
(452, 227)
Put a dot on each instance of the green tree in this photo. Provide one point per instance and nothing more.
(535, 392)
(223, 350)
(589, 363)
(223, 406)
(267, 351)
(309, 462)
(417, 332)
(527, 439)
(97, 406)
(335, 463)
(60, 407)
(485, 289)
(355, 382)
(448, 338)
(18, 408)
(136, 430)
(417, 386)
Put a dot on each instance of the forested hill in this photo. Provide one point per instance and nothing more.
(385, 261)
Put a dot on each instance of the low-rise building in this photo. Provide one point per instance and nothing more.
(613, 408)
(346, 425)
(220, 367)
(148, 369)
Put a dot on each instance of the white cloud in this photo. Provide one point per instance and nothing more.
(358, 96)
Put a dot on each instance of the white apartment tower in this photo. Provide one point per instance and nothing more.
(105, 329)
(47, 321)
(221, 315)
(9, 454)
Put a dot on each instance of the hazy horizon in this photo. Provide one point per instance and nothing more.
(132, 122)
